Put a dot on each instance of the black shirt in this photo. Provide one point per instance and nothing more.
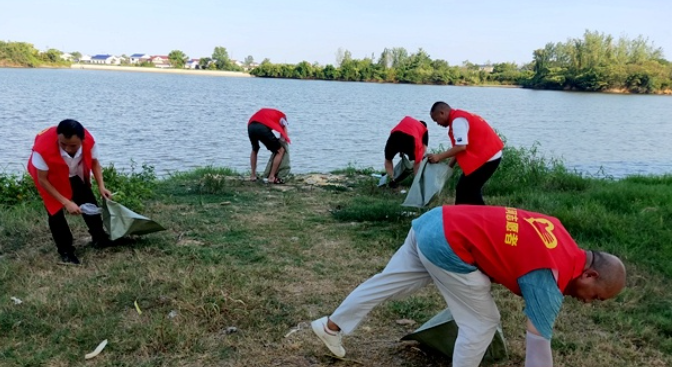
(399, 142)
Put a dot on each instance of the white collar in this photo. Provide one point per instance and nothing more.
(65, 154)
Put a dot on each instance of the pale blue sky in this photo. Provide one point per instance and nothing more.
(295, 30)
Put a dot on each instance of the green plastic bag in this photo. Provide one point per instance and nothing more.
(402, 169)
(441, 331)
(428, 183)
(121, 221)
(284, 167)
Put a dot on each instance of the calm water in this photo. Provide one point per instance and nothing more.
(178, 122)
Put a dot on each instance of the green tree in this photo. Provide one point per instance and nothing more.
(346, 57)
(249, 60)
(177, 59)
(399, 57)
(386, 59)
(505, 73)
(204, 62)
(221, 58)
(303, 70)
(76, 55)
(330, 72)
(339, 56)
(52, 55)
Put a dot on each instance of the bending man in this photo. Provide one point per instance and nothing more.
(409, 137)
(260, 128)
(474, 145)
(61, 164)
(462, 249)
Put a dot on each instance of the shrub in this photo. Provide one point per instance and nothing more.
(16, 189)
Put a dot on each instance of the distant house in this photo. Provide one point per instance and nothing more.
(237, 63)
(85, 59)
(160, 61)
(192, 64)
(486, 68)
(66, 56)
(105, 59)
(138, 58)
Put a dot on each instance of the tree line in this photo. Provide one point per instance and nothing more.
(598, 62)
(397, 65)
(22, 54)
(219, 60)
(595, 62)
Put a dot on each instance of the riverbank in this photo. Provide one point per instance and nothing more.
(161, 70)
(244, 266)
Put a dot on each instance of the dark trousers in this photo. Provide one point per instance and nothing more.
(60, 231)
(468, 190)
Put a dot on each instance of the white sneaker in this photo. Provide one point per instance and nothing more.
(332, 339)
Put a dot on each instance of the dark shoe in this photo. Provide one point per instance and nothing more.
(69, 258)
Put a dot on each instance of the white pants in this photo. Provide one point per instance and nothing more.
(468, 297)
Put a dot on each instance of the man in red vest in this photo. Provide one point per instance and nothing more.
(61, 163)
(474, 146)
(409, 137)
(260, 128)
(462, 249)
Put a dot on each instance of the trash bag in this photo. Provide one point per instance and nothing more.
(284, 168)
(441, 331)
(402, 169)
(121, 221)
(429, 182)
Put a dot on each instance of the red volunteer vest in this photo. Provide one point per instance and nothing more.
(46, 144)
(270, 118)
(483, 142)
(506, 243)
(415, 129)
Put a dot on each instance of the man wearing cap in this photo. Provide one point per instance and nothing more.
(462, 249)
(474, 146)
(261, 127)
(61, 163)
(409, 137)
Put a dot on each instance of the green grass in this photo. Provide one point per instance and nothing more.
(267, 258)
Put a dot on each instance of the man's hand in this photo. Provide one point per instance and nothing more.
(72, 208)
(434, 158)
(105, 193)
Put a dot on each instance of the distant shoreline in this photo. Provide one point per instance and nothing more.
(236, 74)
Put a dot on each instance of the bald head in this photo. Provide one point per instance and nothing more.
(611, 272)
(439, 112)
(603, 278)
(440, 106)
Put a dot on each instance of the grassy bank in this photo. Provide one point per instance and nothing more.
(244, 264)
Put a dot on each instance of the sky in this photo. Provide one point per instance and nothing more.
(290, 31)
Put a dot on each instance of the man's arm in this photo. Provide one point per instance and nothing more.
(543, 302)
(418, 160)
(434, 158)
(98, 175)
(538, 348)
(70, 206)
(417, 165)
